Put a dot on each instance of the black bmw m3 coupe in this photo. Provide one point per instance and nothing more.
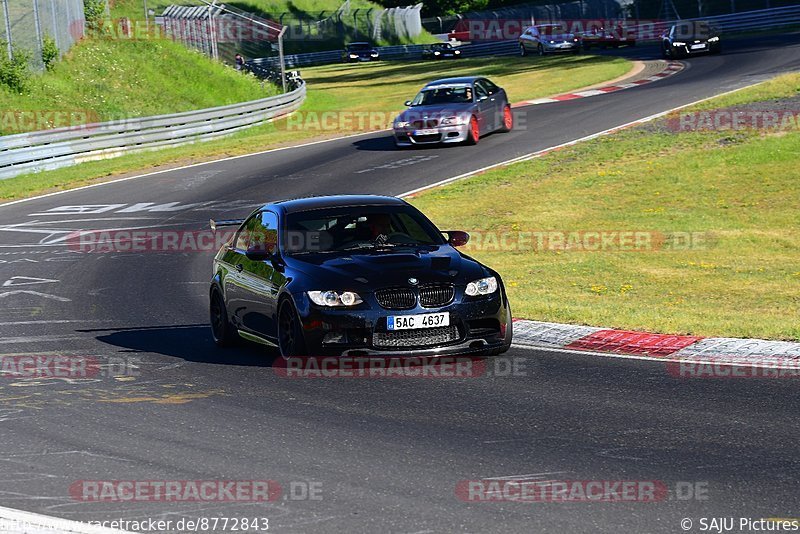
(355, 275)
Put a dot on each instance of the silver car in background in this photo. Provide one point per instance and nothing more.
(453, 110)
(548, 39)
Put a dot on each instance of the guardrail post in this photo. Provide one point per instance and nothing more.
(281, 58)
(8, 29)
(38, 26)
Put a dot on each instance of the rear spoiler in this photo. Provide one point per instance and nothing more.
(230, 222)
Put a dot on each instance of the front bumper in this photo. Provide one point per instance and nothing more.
(687, 50)
(478, 325)
(440, 134)
(570, 46)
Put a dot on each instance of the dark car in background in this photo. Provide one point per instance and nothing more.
(690, 38)
(608, 38)
(453, 110)
(441, 51)
(355, 52)
(352, 276)
(548, 39)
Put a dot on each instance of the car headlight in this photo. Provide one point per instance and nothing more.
(451, 121)
(437, 53)
(374, 54)
(713, 40)
(353, 56)
(678, 43)
(483, 286)
(552, 42)
(576, 40)
(402, 124)
(334, 298)
(457, 52)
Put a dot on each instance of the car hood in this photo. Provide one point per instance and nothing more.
(434, 111)
(369, 271)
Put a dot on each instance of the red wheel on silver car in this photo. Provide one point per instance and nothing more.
(474, 133)
(508, 119)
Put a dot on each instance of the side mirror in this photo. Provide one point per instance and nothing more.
(408, 103)
(482, 98)
(258, 254)
(457, 238)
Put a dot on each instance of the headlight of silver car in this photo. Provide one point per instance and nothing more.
(713, 40)
(334, 298)
(452, 121)
(483, 286)
(401, 124)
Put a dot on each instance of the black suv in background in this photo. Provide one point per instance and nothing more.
(360, 52)
(690, 38)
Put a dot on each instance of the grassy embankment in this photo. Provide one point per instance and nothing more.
(738, 191)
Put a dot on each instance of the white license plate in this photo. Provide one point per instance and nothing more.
(695, 47)
(428, 131)
(411, 322)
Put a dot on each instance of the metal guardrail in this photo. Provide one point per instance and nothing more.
(397, 52)
(53, 149)
(763, 19)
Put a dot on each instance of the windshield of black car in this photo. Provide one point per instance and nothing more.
(451, 94)
(358, 47)
(358, 228)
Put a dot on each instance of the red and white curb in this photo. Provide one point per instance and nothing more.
(663, 347)
(672, 68)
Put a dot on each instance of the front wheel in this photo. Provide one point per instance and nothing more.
(222, 330)
(508, 119)
(522, 50)
(290, 333)
(540, 50)
(474, 133)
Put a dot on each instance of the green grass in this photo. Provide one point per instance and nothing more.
(359, 87)
(739, 191)
(115, 79)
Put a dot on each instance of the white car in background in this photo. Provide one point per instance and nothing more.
(548, 39)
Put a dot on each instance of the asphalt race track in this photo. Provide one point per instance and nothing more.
(385, 454)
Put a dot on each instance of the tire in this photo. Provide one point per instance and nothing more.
(290, 333)
(508, 120)
(540, 50)
(224, 333)
(474, 134)
(665, 52)
(509, 336)
(522, 50)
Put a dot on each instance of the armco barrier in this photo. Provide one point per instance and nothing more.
(764, 19)
(398, 52)
(53, 149)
